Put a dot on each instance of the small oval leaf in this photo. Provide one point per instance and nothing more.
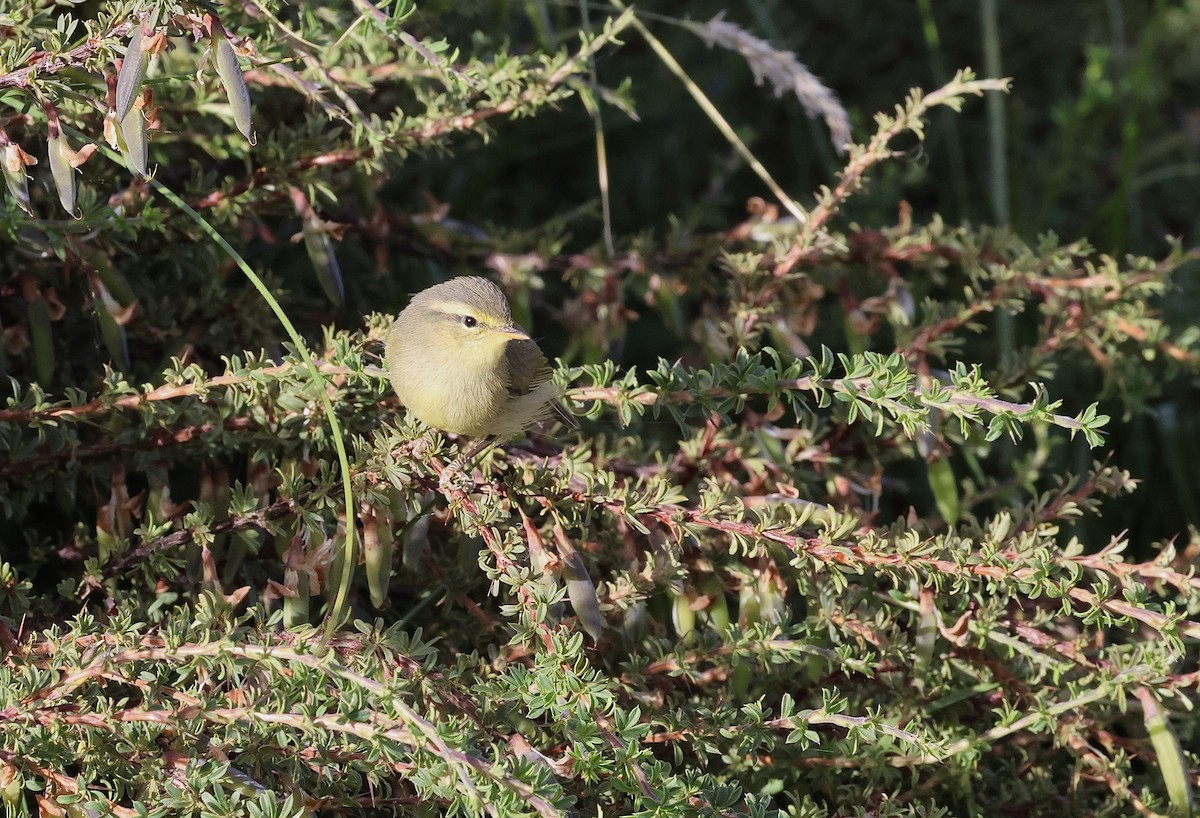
(234, 81)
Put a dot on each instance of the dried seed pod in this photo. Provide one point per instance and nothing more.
(133, 71)
(14, 161)
(925, 636)
(296, 604)
(64, 161)
(112, 130)
(112, 125)
(234, 81)
(114, 521)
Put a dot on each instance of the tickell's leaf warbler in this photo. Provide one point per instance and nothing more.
(460, 364)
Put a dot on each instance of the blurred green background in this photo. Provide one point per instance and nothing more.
(1101, 131)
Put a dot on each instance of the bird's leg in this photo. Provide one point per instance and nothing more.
(456, 466)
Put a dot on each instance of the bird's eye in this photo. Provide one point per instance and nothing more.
(469, 321)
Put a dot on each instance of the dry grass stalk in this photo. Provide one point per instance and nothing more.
(782, 70)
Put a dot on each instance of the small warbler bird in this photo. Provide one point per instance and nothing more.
(460, 364)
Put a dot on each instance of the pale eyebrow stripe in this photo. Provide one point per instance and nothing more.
(454, 307)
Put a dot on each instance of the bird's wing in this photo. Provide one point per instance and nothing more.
(527, 367)
(527, 370)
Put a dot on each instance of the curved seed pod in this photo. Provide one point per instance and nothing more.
(230, 72)
(749, 614)
(14, 161)
(133, 72)
(771, 596)
(132, 142)
(377, 548)
(335, 571)
(63, 160)
(749, 604)
(241, 543)
(320, 249)
(114, 517)
(415, 539)
(209, 579)
(580, 588)
(320, 252)
(760, 598)
(216, 493)
(114, 338)
(60, 168)
(582, 593)
(107, 543)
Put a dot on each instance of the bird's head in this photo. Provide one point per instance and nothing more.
(465, 321)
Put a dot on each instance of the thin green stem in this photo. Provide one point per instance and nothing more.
(948, 121)
(597, 114)
(715, 116)
(337, 611)
(998, 157)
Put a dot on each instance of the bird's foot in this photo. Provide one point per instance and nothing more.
(454, 478)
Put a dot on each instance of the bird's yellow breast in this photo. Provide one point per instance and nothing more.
(459, 393)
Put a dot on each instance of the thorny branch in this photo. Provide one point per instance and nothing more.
(45, 63)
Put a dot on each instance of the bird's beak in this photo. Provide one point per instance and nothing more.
(513, 332)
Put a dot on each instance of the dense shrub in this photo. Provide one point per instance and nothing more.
(829, 541)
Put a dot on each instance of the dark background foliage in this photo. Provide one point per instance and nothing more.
(169, 483)
(1100, 134)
